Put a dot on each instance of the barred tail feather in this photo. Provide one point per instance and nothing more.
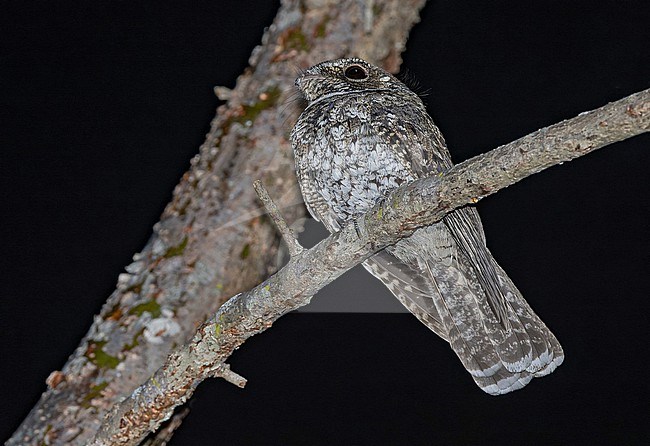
(446, 295)
(549, 352)
(409, 287)
(512, 357)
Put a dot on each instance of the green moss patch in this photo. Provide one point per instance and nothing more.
(177, 250)
(99, 357)
(151, 306)
(95, 392)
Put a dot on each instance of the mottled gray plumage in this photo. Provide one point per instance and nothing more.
(364, 133)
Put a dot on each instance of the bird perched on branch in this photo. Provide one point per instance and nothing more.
(364, 133)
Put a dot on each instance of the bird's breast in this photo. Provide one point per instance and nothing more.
(349, 157)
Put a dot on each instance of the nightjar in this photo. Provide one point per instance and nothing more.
(364, 133)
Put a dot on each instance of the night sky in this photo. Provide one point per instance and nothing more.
(103, 104)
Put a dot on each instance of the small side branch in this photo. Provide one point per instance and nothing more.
(414, 205)
(164, 435)
(287, 234)
(226, 373)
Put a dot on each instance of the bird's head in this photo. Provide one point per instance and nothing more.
(344, 76)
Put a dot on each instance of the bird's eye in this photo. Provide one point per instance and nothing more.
(355, 72)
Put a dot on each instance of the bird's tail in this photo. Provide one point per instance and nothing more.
(444, 292)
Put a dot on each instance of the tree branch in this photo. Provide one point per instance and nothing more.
(411, 206)
(210, 242)
(280, 223)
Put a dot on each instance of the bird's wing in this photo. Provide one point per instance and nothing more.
(477, 297)
(408, 285)
(426, 152)
(464, 225)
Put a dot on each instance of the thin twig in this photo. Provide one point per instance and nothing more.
(226, 373)
(165, 434)
(285, 231)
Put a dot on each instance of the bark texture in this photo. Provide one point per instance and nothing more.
(411, 206)
(212, 240)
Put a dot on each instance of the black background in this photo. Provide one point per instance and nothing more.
(104, 103)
